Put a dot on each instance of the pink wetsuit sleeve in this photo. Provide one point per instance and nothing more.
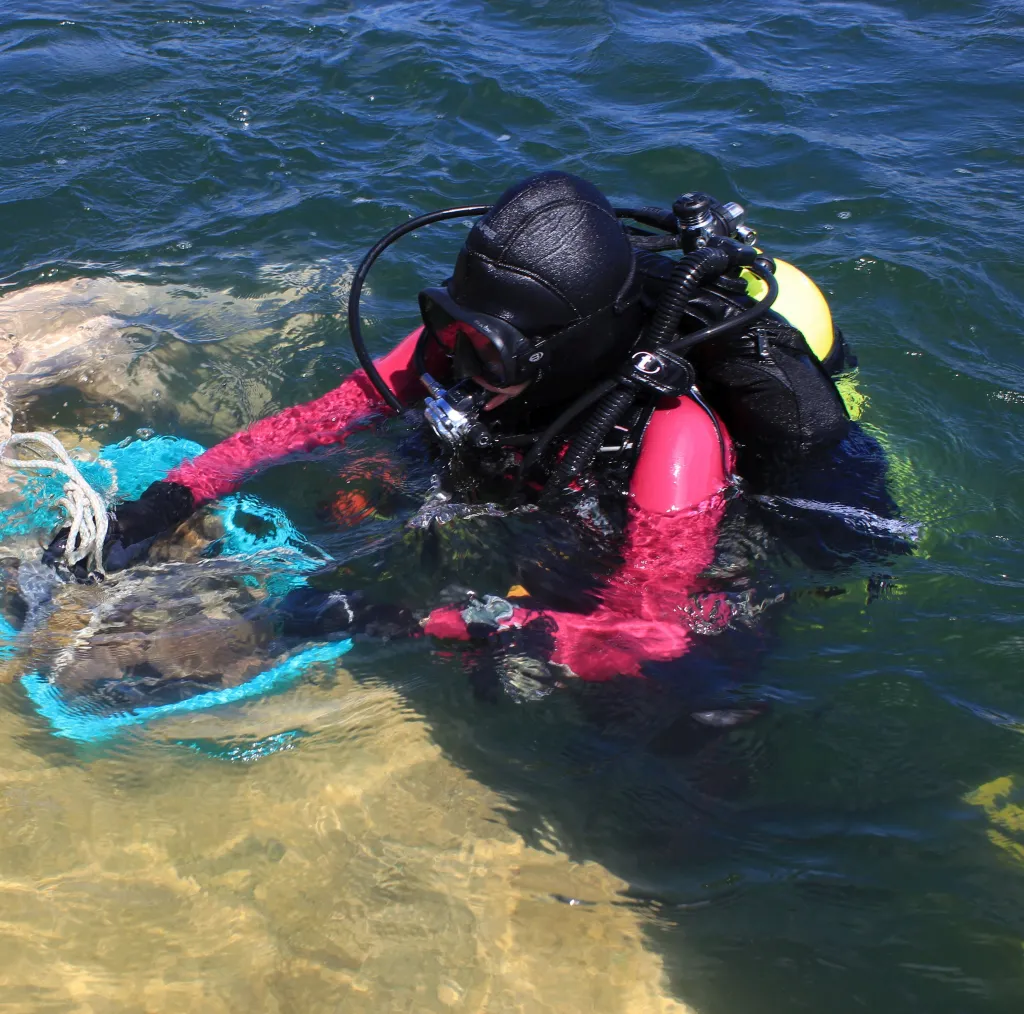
(648, 612)
(326, 420)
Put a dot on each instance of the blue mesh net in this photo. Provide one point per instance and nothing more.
(123, 471)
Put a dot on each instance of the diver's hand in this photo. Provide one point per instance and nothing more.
(477, 620)
(134, 525)
(513, 646)
(308, 612)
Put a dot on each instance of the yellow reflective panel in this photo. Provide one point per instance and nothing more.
(996, 799)
(854, 400)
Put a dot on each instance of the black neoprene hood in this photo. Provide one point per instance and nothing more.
(550, 254)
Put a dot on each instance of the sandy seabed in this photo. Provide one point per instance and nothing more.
(360, 871)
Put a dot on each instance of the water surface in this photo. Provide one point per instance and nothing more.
(211, 173)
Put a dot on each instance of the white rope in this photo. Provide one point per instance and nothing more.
(85, 509)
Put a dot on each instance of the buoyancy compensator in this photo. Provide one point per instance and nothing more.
(772, 388)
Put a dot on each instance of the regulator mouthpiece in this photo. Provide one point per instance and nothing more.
(454, 413)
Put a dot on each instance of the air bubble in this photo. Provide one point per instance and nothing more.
(845, 215)
(243, 114)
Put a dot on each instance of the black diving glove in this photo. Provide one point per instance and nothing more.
(311, 613)
(509, 662)
(134, 525)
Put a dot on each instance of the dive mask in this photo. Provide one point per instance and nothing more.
(478, 344)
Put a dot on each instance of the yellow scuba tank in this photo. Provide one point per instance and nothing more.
(801, 303)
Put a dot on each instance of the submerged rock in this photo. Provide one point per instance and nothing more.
(153, 633)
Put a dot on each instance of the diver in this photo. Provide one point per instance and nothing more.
(618, 374)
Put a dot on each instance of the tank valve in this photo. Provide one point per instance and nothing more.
(700, 217)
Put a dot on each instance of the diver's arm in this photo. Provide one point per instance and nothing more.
(222, 469)
(326, 420)
(648, 611)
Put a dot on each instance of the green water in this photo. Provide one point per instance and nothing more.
(215, 171)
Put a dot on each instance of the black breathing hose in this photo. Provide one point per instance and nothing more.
(687, 276)
(742, 320)
(581, 404)
(658, 218)
(355, 331)
(585, 444)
